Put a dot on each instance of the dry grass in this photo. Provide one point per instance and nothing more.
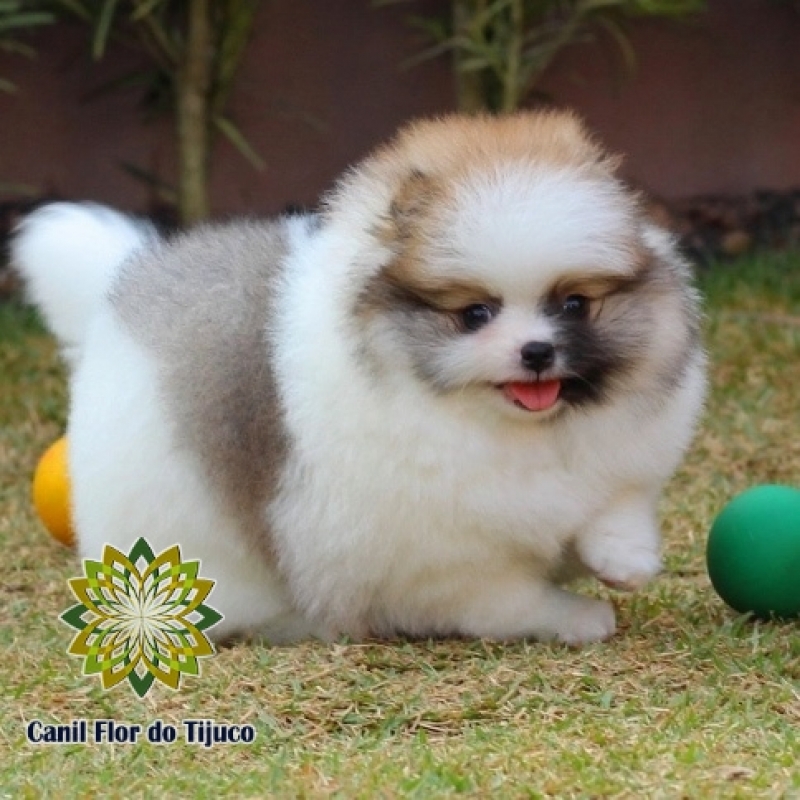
(688, 700)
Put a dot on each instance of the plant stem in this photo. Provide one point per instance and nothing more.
(470, 89)
(235, 33)
(193, 109)
(511, 79)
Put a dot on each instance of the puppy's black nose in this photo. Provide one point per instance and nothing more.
(538, 356)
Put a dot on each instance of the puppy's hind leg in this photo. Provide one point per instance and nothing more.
(131, 479)
(522, 606)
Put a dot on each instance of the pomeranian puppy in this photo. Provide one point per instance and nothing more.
(418, 412)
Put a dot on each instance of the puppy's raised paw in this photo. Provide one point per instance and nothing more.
(619, 564)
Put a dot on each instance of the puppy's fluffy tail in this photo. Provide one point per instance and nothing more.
(68, 254)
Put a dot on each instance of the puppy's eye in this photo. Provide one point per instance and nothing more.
(575, 306)
(476, 316)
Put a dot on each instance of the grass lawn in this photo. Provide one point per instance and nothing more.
(688, 700)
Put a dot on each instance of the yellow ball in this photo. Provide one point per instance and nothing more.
(51, 492)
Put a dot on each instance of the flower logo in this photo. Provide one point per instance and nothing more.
(141, 617)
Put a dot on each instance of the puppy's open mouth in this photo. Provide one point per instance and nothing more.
(537, 396)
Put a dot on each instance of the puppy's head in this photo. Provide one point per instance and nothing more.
(518, 271)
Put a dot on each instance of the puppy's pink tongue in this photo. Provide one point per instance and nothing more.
(534, 396)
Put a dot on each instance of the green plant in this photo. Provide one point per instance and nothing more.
(501, 48)
(17, 18)
(194, 49)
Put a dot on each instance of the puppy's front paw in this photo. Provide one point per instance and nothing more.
(622, 546)
(619, 563)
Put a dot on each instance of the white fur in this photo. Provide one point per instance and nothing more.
(129, 480)
(68, 255)
(398, 510)
(574, 215)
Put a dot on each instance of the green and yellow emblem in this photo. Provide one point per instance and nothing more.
(141, 617)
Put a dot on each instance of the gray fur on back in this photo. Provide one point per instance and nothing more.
(202, 303)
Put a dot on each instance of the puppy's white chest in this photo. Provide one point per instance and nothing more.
(401, 505)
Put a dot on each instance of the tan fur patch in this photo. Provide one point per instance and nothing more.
(412, 203)
(410, 225)
(407, 280)
(594, 287)
(453, 145)
(443, 294)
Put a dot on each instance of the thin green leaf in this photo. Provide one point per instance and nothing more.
(7, 86)
(162, 44)
(436, 29)
(237, 28)
(472, 64)
(25, 20)
(103, 30)
(238, 140)
(593, 6)
(77, 8)
(17, 48)
(427, 54)
(19, 189)
(144, 8)
(666, 8)
(138, 79)
(620, 37)
(165, 191)
(491, 13)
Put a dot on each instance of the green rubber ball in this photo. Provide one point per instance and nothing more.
(753, 552)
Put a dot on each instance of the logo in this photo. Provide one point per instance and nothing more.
(141, 617)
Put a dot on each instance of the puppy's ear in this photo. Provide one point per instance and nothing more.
(409, 207)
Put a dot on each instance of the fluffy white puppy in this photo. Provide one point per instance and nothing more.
(417, 412)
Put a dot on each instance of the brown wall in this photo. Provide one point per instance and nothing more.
(713, 107)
